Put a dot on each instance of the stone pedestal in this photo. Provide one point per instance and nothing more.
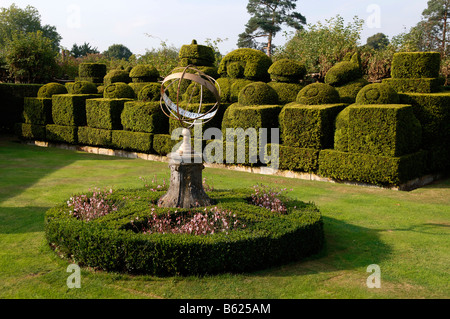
(186, 187)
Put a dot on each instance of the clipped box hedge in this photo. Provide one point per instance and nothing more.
(105, 113)
(287, 92)
(246, 63)
(133, 141)
(421, 85)
(372, 169)
(94, 136)
(147, 117)
(62, 133)
(257, 117)
(348, 92)
(415, 65)
(383, 130)
(70, 109)
(37, 110)
(92, 70)
(30, 131)
(309, 126)
(295, 158)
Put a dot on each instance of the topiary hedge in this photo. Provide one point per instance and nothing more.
(94, 136)
(115, 76)
(118, 90)
(258, 93)
(83, 87)
(50, 89)
(377, 93)
(61, 133)
(105, 113)
(416, 65)
(287, 92)
(70, 109)
(30, 131)
(286, 70)
(144, 117)
(196, 54)
(37, 111)
(308, 126)
(144, 73)
(371, 169)
(151, 92)
(296, 158)
(345, 72)
(133, 141)
(317, 94)
(163, 144)
(246, 63)
(116, 243)
(92, 72)
(348, 92)
(421, 85)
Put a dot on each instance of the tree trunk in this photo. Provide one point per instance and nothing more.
(269, 45)
(444, 33)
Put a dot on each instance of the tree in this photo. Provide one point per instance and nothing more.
(118, 51)
(437, 16)
(14, 20)
(82, 50)
(267, 16)
(377, 41)
(31, 57)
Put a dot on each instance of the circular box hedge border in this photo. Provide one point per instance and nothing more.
(112, 242)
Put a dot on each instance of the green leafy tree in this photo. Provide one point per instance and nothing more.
(267, 17)
(83, 50)
(14, 21)
(118, 51)
(437, 16)
(319, 46)
(31, 58)
(377, 41)
(164, 58)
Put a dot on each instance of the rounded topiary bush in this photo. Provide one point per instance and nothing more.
(287, 92)
(199, 55)
(129, 233)
(287, 70)
(193, 94)
(144, 73)
(377, 93)
(258, 93)
(317, 94)
(150, 93)
(342, 73)
(50, 89)
(255, 65)
(84, 87)
(118, 91)
(115, 76)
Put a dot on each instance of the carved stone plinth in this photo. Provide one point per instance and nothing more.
(186, 188)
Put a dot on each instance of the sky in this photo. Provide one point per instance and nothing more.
(142, 25)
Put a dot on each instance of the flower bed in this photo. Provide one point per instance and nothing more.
(125, 231)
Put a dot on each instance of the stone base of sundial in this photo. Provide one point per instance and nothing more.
(186, 188)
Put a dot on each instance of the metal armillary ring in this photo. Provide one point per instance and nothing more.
(186, 118)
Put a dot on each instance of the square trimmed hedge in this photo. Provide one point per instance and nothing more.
(258, 116)
(309, 126)
(105, 113)
(146, 117)
(94, 136)
(416, 65)
(296, 159)
(163, 144)
(419, 85)
(133, 141)
(30, 131)
(372, 169)
(62, 133)
(70, 109)
(37, 110)
(383, 130)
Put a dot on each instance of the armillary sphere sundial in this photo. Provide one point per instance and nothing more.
(186, 188)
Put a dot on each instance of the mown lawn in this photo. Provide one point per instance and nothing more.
(405, 233)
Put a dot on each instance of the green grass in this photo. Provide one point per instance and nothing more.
(405, 233)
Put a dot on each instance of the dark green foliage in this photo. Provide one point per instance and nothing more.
(94, 136)
(419, 85)
(105, 113)
(377, 41)
(133, 141)
(286, 70)
(348, 92)
(118, 51)
(307, 126)
(193, 94)
(30, 131)
(416, 65)
(223, 85)
(258, 93)
(341, 132)
(255, 64)
(317, 94)
(84, 87)
(62, 134)
(115, 76)
(112, 243)
(344, 72)
(163, 144)
(383, 130)
(198, 55)
(118, 90)
(96, 71)
(69, 87)
(377, 93)
(144, 73)
(85, 49)
(296, 159)
(12, 99)
(37, 110)
(137, 87)
(372, 169)
(257, 117)
(48, 90)
(70, 109)
(236, 87)
(146, 117)
(287, 92)
(151, 92)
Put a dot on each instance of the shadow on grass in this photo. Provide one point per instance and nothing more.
(21, 220)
